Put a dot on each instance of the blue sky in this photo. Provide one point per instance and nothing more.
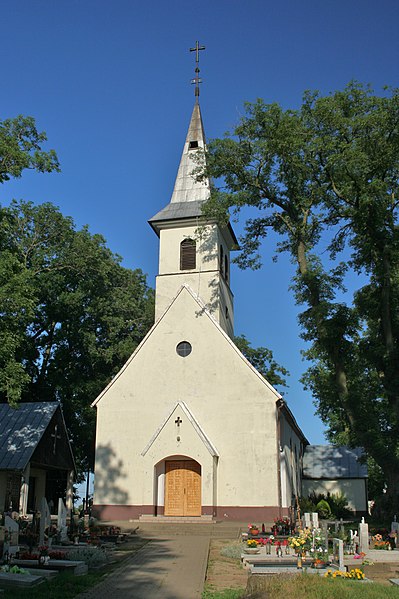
(110, 84)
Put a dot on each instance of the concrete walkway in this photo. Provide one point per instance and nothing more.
(171, 566)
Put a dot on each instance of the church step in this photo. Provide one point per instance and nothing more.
(176, 519)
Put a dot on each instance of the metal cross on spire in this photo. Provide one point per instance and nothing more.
(196, 81)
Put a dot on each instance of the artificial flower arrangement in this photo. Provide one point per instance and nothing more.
(318, 562)
(301, 542)
(380, 543)
(265, 540)
(252, 543)
(319, 555)
(281, 526)
(253, 529)
(360, 555)
(354, 574)
(13, 570)
(311, 541)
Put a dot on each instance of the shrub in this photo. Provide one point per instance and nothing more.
(233, 550)
(323, 509)
(339, 505)
(92, 556)
(306, 505)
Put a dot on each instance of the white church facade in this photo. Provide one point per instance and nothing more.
(188, 427)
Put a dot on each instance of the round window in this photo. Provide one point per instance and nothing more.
(183, 348)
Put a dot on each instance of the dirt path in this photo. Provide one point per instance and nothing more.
(224, 572)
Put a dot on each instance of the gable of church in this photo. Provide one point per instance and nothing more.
(214, 371)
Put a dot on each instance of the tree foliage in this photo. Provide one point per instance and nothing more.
(263, 360)
(70, 315)
(325, 178)
(20, 148)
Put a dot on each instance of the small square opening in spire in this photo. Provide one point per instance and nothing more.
(192, 145)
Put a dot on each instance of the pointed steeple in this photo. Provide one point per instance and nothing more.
(187, 189)
(188, 193)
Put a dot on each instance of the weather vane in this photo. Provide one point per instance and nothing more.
(196, 81)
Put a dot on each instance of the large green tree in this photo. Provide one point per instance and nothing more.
(21, 148)
(70, 315)
(325, 179)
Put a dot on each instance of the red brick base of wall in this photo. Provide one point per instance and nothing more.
(228, 512)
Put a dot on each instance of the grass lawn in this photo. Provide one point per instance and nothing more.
(306, 586)
(226, 594)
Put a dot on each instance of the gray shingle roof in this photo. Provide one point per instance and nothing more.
(176, 210)
(21, 430)
(332, 462)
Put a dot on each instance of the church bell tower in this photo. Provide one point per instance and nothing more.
(193, 250)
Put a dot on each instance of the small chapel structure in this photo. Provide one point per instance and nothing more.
(36, 458)
(188, 427)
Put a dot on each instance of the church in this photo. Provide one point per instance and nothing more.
(188, 427)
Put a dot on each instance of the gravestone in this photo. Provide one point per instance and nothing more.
(315, 520)
(363, 536)
(86, 522)
(62, 521)
(395, 525)
(11, 536)
(351, 543)
(45, 519)
(13, 530)
(325, 532)
(338, 554)
(355, 541)
(395, 530)
(306, 520)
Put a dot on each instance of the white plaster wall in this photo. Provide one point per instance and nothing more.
(40, 488)
(235, 408)
(354, 489)
(204, 280)
(206, 238)
(291, 469)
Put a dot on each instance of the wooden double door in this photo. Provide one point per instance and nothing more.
(182, 488)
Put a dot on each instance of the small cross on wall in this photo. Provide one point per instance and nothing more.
(55, 436)
(178, 422)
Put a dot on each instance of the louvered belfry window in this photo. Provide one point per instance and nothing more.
(187, 254)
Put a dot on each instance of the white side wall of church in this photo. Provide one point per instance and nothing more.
(291, 458)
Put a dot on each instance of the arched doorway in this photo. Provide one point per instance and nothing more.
(182, 487)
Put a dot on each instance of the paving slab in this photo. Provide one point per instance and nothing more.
(78, 568)
(42, 572)
(19, 581)
(172, 567)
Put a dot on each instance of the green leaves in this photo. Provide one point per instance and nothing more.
(20, 148)
(326, 179)
(70, 315)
